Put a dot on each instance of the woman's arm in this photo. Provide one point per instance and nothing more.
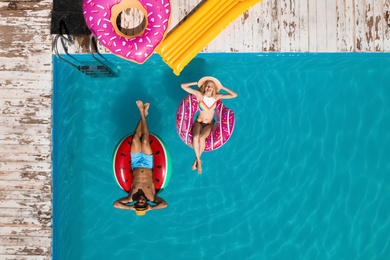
(231, 94)
(121, 203)
(186, 87)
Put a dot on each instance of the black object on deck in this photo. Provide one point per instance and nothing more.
(67, 18)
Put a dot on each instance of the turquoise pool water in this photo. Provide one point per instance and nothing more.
(305, 175)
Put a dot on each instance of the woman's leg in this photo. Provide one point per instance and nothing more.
(196, 129)
(202, 144)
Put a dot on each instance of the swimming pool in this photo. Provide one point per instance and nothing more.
(304, 175)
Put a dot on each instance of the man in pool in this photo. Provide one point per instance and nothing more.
(142, 187)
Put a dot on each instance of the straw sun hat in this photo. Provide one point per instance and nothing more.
(216, 82)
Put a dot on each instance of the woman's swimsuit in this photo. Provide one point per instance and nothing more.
(207, 104)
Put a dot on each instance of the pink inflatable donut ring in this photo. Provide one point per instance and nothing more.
(221, 132)
(101, 15)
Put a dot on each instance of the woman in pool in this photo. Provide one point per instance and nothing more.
(207, 96)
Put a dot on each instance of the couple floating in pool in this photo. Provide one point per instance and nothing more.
(142, 187)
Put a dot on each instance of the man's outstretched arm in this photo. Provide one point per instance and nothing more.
(161, 203)
(122, 203)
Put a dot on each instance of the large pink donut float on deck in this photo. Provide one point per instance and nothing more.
(219, 135)
(101, 15)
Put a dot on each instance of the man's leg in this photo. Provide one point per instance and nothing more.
(136, 142)
(145, 144)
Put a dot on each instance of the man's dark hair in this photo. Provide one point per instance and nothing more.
(138, 194)
(139, 206)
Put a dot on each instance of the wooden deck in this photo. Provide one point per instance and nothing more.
(26, 88)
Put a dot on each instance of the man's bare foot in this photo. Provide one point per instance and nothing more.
(146, 107)
(199, 167)
(194, 166)
(140, 105)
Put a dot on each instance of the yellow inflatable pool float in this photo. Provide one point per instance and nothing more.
(182, 45)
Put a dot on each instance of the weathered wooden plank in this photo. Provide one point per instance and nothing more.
(331, 26)
(25, 222)
(44, 205)
(34, 33)
(11, 5)
(26, 196)
(39, 14)
(312, 9)
(321, 32)
(30, 148)
(25, 143)
(23, 75)
(369, 25)
(25, 106)
(22, 49)
(239, 28)
(360, 21)
(26, 132)
(48, 3)
(229, 43)
(24, 157)
(293, 27)
(266, 25)
(257, 21)
(25, 250)
(24, 176)
(25, 241)
(28, 62)
(33, 184)
(6, 121)
(275, 26)
(350, 29)
(36, 84)
(15, 45)
(303, 26)
(18, 212)
(183, 11)
(247, 23)
(25, 166)
(21, 109)
(26, 232)
(341, 29)
(26, 257)
(378, 25)
(18, 93)
(284, 25)
(175, 14)
(386, 25)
